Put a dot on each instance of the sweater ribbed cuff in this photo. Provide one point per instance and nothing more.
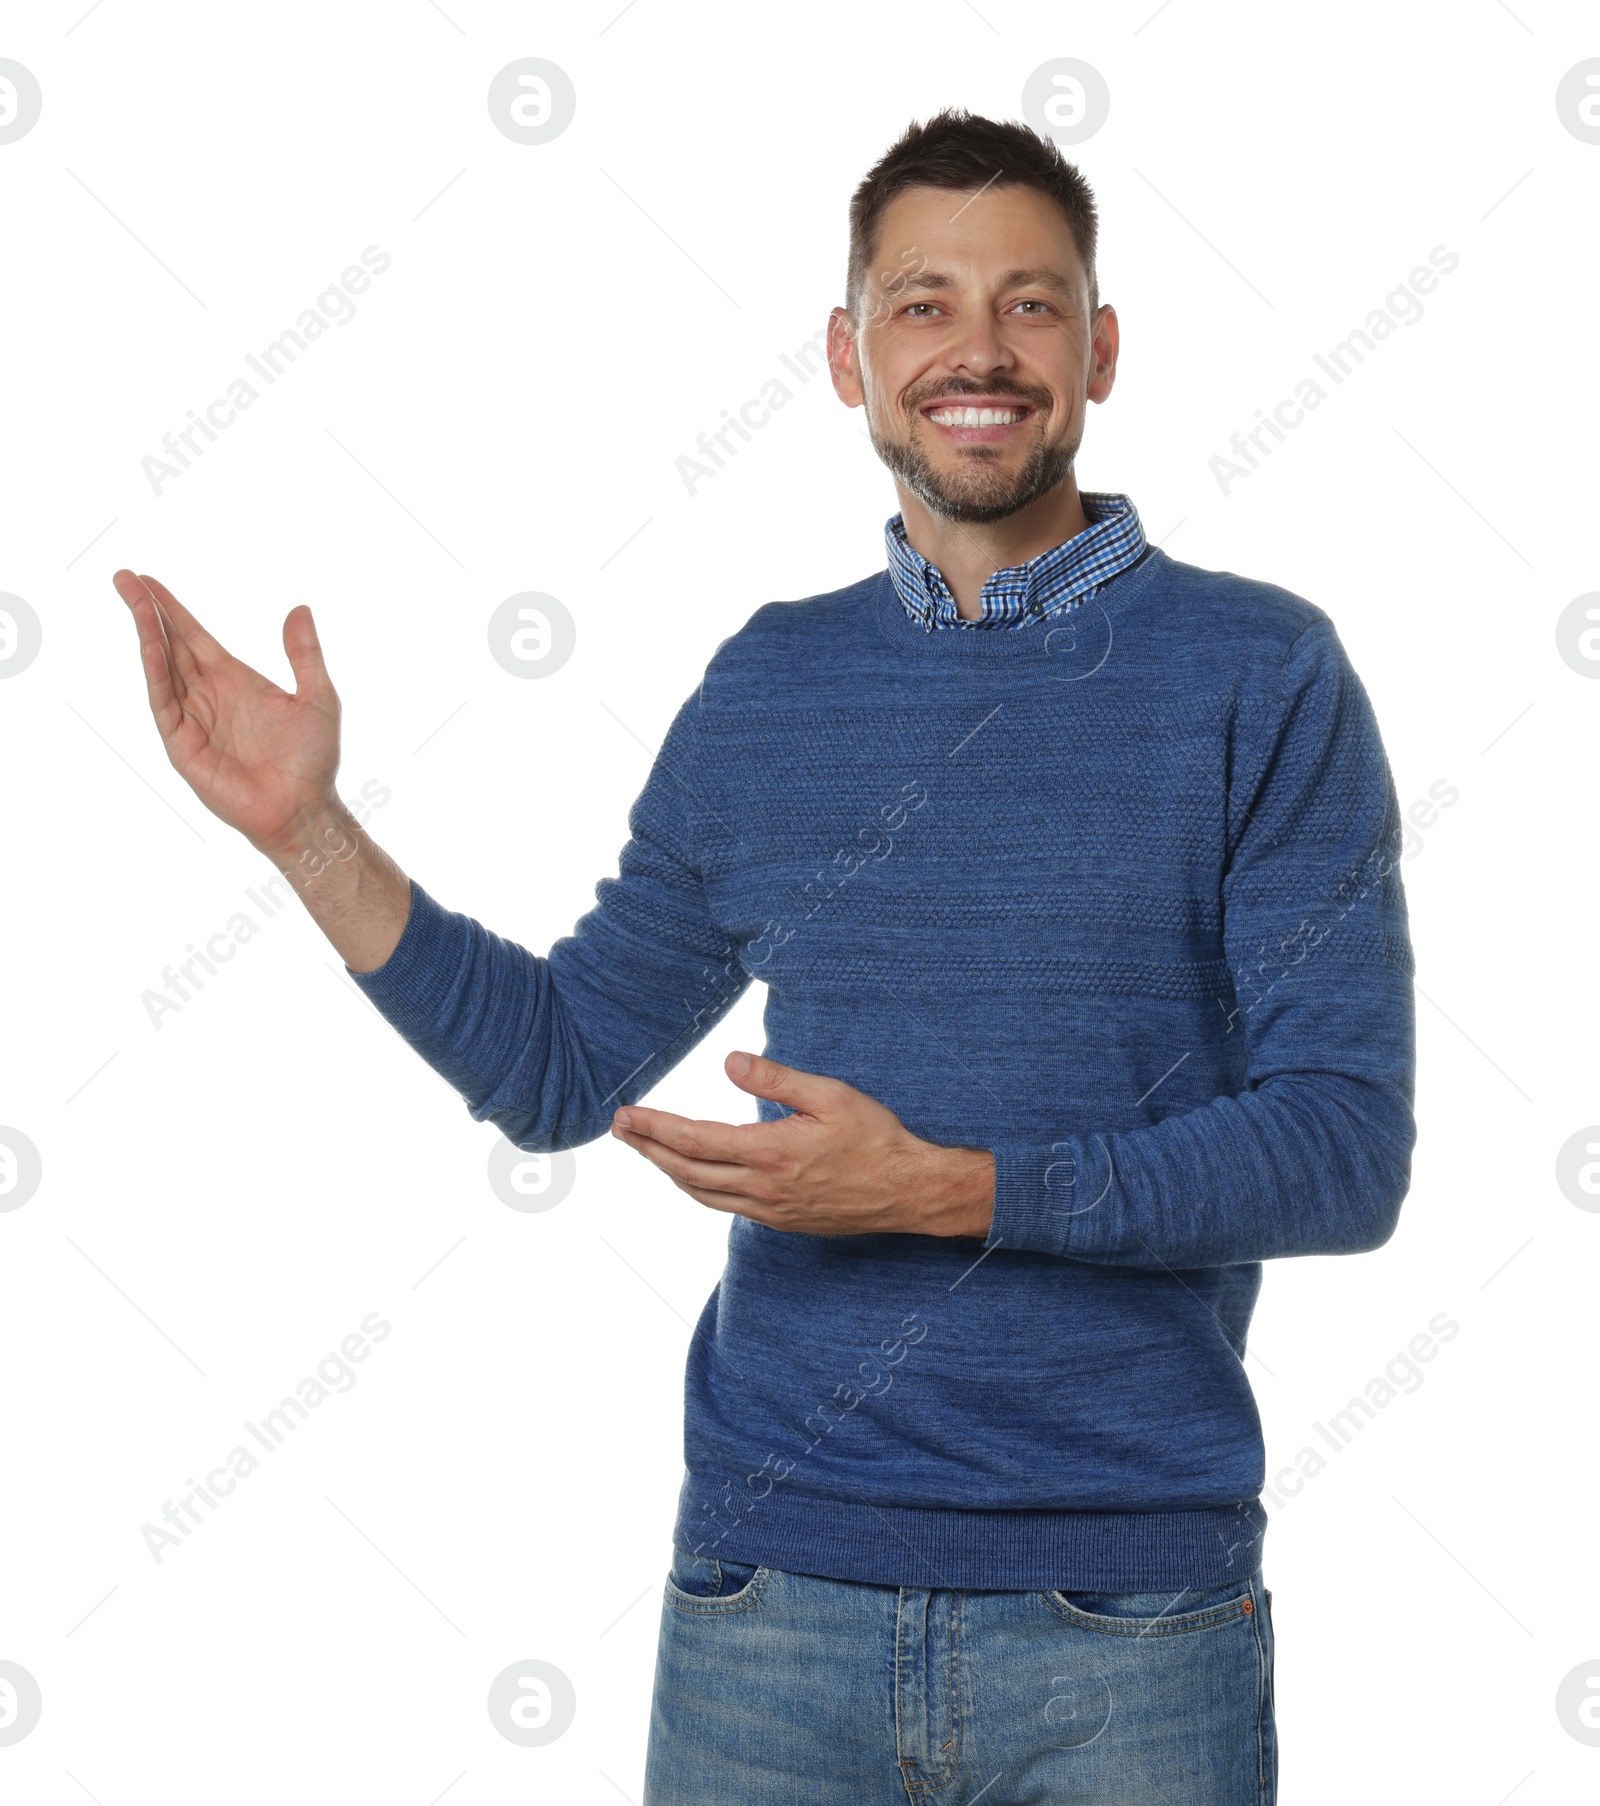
(1043, 1191)
(410, 987)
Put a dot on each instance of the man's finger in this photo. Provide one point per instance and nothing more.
(205, 648)
(304, 652)
(809, 1092)
(164, 684)
(144, 594)
(740, 1143)
(186, 667)
(710, 1175)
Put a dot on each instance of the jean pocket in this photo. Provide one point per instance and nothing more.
(1162, 1614)
(710, 1583)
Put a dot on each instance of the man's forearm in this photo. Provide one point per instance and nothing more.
(353, 890)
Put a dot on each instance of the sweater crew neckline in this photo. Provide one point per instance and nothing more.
(1032, 643)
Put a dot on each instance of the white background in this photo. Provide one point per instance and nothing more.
(225, 1197)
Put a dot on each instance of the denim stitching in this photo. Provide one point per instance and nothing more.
(715, 1607)
(904, 1763)
(1268, 1791)
(1182, 1625)
(947, 1774)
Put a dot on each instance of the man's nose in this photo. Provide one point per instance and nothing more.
(975, 347)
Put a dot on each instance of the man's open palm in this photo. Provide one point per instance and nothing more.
(259, 758)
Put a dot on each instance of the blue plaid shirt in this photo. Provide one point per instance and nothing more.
(1053, 583)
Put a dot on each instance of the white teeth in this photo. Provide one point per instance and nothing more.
(975, 417)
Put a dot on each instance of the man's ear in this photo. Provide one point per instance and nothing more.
(1104, 346)
(842, 364)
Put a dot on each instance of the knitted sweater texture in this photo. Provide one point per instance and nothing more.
(1117, 899)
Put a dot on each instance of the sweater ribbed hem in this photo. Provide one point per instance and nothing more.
(912, 1546)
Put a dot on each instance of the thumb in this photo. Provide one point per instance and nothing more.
(808, 1092)
(305, 652)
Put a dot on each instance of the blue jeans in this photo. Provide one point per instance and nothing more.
(774, 1689)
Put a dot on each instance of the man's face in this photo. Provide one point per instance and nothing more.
(973, 349)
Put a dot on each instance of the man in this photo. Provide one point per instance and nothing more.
(1072, 873)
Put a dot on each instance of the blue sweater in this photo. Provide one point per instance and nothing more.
(1117, 899)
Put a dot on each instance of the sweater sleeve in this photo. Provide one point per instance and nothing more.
(1313, 1155)
(547, 1048)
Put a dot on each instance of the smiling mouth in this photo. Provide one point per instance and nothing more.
(976, 416)
(965, 422)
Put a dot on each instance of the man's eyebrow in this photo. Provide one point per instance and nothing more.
(935, 279)
(1040, 278)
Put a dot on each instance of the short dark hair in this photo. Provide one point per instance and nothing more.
(956, 149)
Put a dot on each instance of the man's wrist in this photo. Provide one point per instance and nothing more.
(351, 888)
(325, 836)
(957, 1195)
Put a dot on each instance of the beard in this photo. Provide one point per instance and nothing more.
(979, 490)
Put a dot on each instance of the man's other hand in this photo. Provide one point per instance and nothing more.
(842, 1164)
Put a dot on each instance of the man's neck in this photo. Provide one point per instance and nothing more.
(969, 553)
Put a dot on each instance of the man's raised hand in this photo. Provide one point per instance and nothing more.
(264, 761)
(259, 758)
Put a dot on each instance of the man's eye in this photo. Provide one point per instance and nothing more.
(1040, 305)
(917, 306)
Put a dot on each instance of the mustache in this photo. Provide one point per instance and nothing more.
(1037, 399)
